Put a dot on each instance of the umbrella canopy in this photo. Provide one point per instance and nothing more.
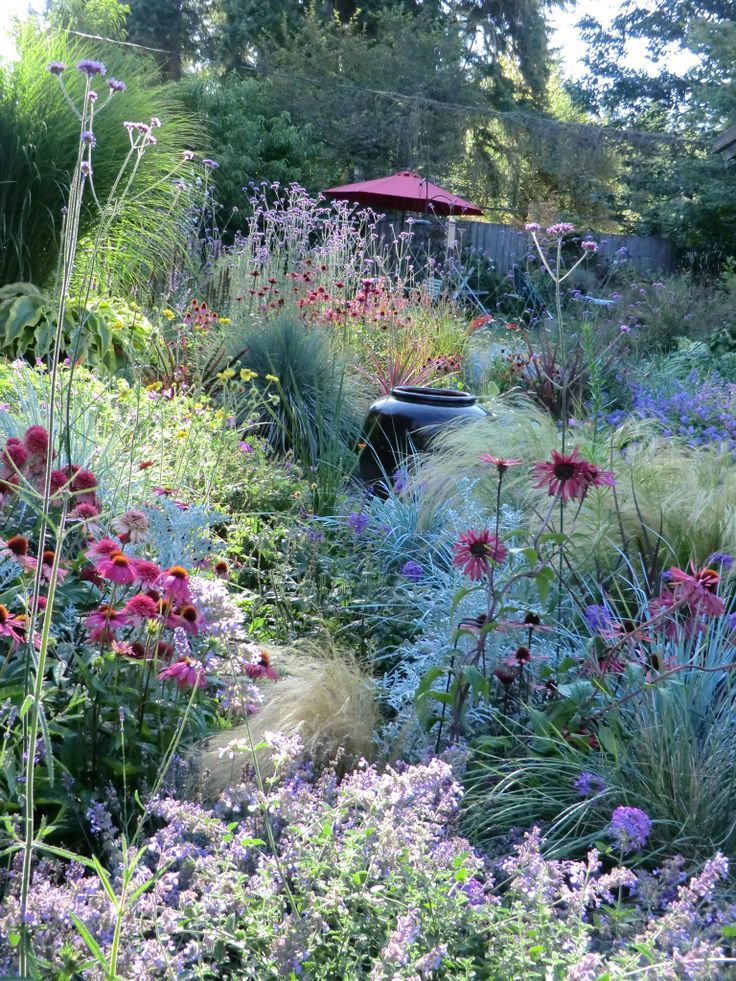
(404, 191)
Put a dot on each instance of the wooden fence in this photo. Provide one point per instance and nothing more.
(506, 246)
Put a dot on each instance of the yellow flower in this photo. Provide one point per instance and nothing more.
(182, 434)
(227, 374)
(247, 375)
(271, 378)
(225, 320)
(154, 387)
(297, 495)
(117, 324)
(168, 313)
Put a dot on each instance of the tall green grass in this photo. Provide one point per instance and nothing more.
(38, 148)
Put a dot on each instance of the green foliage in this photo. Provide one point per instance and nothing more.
(39, 138)
(354, 128)
(665, 747)
(250, 137)
(101, 17)
(112, 334)
(682, 190)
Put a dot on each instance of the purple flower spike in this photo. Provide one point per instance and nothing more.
(85, 168)
(211, 164)
(116, 86)
(88, 137)
(630, 828)
(412, 570)
(91, 68)
(56, 67)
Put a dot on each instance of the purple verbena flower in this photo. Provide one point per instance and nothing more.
(115, 85)
(85, 168)
(56, 67)
(88, 137)
(210, 164)
(91, 68)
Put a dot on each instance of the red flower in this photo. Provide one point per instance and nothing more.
(502, 464)
(104, 548)
(102, 623)
(36, 441)
(141, 607)
(475, 549)
(147, 572)
(260, 667)
(569, 477)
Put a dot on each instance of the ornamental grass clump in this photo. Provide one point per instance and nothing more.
(324, 697)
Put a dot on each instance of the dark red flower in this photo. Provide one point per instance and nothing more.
(475, 549)
(569, 476)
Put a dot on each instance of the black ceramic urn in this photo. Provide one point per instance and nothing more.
(404, 422)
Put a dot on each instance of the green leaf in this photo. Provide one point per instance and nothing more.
(94, 947)
(27, 702)
(544, 579)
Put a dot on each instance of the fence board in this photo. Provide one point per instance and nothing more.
(505, 245)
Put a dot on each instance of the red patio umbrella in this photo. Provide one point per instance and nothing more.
(404, 191)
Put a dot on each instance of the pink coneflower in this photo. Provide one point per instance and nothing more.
(569, 476)
(141, 607)
(47, 564)
(133, 524)
(186, 672)
(176, 584)
(699, 589)
(260, 667)
(104, 548)
(475, 549)
(117, 568)
(502, 464)
(36, 441)
(148, 573)
(103, 621)
(16, 547)
(12, 626)
(189, 618)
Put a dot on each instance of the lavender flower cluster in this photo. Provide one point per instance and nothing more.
(369, 878)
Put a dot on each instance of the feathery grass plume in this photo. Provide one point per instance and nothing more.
(325, 696)
(672, 503)
(39, 138)
(515, 427)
